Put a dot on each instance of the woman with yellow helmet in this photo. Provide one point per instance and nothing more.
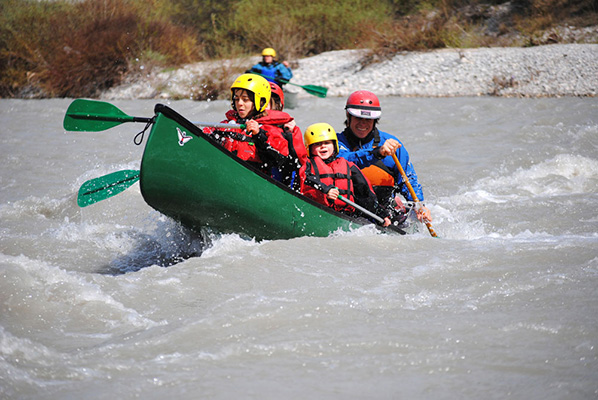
(261, 143)
(325, 175)
(272, 70)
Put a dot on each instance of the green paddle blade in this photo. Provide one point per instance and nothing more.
(316, 90)
(106, 186)
(319, 91)
(92, 116)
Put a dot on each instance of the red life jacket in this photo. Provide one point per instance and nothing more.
(336, 173)
(275, 117)
(280, 118)
(238, 142)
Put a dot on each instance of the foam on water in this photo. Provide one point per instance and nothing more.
(88, 309)
(49, 286)
(564, 174)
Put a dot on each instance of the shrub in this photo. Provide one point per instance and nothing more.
(79, 49)
(417, 32)
(298, 28)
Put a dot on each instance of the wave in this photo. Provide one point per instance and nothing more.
(564, 174)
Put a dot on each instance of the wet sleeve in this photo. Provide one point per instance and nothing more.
(362, 158)
(271, 146)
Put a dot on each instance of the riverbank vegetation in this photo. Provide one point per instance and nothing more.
(66, 48)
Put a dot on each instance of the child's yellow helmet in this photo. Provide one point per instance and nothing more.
(269, 51)
(319, 132)
(258, 86)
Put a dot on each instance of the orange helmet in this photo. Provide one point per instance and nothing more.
(364, 104)
(277, 93)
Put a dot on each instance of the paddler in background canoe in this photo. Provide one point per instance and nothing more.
(326, 176)
(291, 132)
(274, 71)
(376, 153)
(262, 143)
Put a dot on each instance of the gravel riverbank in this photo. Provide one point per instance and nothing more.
(551, 70)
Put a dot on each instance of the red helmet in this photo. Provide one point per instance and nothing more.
(277, 92)
(364, 104)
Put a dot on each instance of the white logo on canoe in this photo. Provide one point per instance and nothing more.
(183, 138)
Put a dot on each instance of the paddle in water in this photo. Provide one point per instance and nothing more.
(412, 192)
(106, 186)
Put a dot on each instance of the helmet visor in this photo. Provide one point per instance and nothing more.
(365, 112)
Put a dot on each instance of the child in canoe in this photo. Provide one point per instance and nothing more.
(325, 176)
(262, 143)
(293, 135)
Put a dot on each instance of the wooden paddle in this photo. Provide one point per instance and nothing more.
(106, 186)
(412, 192)
(94, 116)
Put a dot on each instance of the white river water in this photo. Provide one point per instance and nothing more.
(503, 305)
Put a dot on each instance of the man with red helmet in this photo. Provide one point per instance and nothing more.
(371, 150)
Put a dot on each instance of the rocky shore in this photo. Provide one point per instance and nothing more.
(542, 71)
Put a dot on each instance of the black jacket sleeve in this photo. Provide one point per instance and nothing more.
(364, 196)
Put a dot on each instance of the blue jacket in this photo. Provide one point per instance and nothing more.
(361, 153)
(274, 72)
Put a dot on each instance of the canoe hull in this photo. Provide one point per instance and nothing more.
(201, 185)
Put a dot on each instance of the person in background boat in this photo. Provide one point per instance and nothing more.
(325, 175)
(371, 150)
(272, 70)
(262, 143)
(291, 132)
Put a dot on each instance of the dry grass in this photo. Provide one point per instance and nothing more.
(81, 49)
(466, 24)
(418, 32)
(78, 49)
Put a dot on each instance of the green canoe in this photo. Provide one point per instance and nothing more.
(188, 177)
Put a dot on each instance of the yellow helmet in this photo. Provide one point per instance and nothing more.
(319, 132)
(269, 51)
(258, 86)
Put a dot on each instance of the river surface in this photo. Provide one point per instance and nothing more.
(116, 301)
